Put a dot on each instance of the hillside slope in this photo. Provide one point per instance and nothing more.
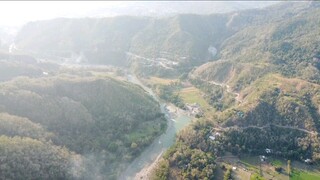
(285, 43)
(106, 122)
(270, 68)
(151, 45)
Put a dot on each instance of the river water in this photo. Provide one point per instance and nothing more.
(161, 143)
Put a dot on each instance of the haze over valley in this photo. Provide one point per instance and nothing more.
(160, 90)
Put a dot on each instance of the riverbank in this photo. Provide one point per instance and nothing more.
(176, 120)
(146, 172)
(174, 112)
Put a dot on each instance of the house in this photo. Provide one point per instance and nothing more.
(268, 150)
(263, 158)
(308, 161)
(194, 109)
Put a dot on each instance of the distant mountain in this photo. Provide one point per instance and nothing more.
(150, 45)
(273, 40)
(165, 45)
(259, 69)
(103, 41)
(170, 8)
(173, 45)
(157, 43)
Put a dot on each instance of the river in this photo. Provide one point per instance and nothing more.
(160, 144)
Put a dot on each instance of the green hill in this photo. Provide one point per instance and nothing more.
(26, 158)
(262, 82)
(152, 45)
(270, 67)
(105, 121)
(281, 44)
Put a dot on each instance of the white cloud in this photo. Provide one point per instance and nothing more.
(19, 12)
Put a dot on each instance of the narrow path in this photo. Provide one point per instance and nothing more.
(219, 128)
(159, 62)
(228, 89)
(223, 85)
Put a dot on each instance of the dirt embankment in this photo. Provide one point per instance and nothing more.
(145, 173)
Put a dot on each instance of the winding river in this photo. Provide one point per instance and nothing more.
(160, 144)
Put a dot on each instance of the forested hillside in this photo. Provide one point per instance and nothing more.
(256, 71)
(286, 44)
(270, 68)
(149, 45)
(71, 126)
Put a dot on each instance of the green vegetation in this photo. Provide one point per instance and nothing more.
(167, 92)
(266, 87)
(270, 42)
(102, 41)
(161, 172)
(26, 158)
(13, 65)
(107, 123)
(216, 96)
(256, 177)
(276, 163)
(303, 175)
(289, 167)
(227, 174)
(193, 95)
(183, 39)
(154, 81)
(263, 86)
(189, 163)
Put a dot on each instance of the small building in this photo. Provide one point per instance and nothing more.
(308, 161)
(268, 151)
(194, 109)
(263, 158)
(212, 138)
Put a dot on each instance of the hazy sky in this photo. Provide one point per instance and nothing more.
(19, 12)
(16, 13)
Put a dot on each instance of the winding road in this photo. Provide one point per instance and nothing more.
(263, 127)
(228, 89)
(223, 85)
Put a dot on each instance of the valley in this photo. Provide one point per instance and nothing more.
(231, 95)
(160, 144)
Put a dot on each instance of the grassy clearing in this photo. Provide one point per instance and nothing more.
(157, 80)
(304, 175)
(252, 163)
(268, 171)
(193, 95)
(256, 176)
(277, 163)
